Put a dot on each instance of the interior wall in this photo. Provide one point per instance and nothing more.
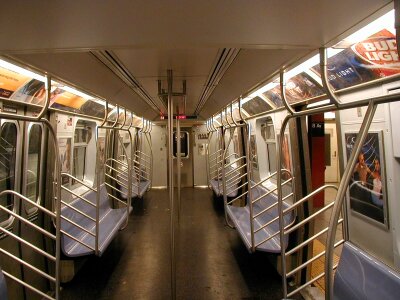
(374, 237)
(159, 146)
(200, 155)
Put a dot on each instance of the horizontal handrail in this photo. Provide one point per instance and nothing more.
(237, 198)
(31, 267)
(117, 161)
(270, 176)
(312, 194)
(29, 223)
(78, 196)
(79, 181)
(29, 245)
(77, 210)
(116, 180)
(121, 173)
(219, 157)
(236, 182)
(235, 178)
(119, 200)
(234, 161)
(113, 187)
(311, 260)
(78, 225)
(271, 236)
(309, 282)
(309, 240)
(309, 218)
(28, 286)
(45, 210)
(232, 154)
(141, 152)
(270, 191)
(78, 240)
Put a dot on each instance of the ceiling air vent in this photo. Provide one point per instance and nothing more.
(111, 61)
(224, 59)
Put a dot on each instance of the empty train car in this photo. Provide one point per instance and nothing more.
(200, 150)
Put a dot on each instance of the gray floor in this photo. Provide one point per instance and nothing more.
(212, 262)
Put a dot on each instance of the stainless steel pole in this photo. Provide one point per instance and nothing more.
(171, 182)
(178, 162)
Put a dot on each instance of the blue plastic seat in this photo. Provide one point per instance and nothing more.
(110, 221)
(240, 216)
(361, 276)
(138, 189)
(217, 186)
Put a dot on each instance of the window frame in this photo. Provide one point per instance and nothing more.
(7, 223)
(32, 210)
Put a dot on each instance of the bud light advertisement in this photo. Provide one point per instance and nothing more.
(371, 59)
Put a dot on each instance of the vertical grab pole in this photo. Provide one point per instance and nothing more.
(58, 186)
(171, 182)
(344, 183)
(249, 162)
(178, 163)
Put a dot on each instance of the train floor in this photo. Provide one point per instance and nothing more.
(212, 262)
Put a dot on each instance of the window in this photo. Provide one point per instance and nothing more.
(32, 175)
(268, 134)
(82, 137)
(8, 144)
(184, 144)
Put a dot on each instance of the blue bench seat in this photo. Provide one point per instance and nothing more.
(110, 221)
(240, 216)
(361, 276)
(217, 185)
(138, 189)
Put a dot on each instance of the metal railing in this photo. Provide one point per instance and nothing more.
(54, 214)
(337, 206)
(53, 278)
(114, 167)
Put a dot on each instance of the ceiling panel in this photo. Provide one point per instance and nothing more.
(84, 71)
(151, 36)
(150, 65)
(88, 24)
(250, 67)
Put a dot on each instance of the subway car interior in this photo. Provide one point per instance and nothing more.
(200, 149)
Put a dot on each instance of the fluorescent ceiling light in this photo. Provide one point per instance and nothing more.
(384, 22)
(76, 92)
(319, 103)
(329, 115)
(6, 65)
(265, 88)
(247, 99)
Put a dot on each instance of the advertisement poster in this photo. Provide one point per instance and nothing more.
(367, 185)
(11, 81)
(371, 59)
(64, 146)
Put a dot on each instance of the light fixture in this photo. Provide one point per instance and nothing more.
(319, 103)
(6, 65)
(384, 22)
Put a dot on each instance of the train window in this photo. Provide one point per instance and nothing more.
(32, 174)
(268, 134)
(82, 137)
(8, 144)
(184, 144)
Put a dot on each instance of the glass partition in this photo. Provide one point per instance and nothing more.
(8, 144)
(32, 175)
